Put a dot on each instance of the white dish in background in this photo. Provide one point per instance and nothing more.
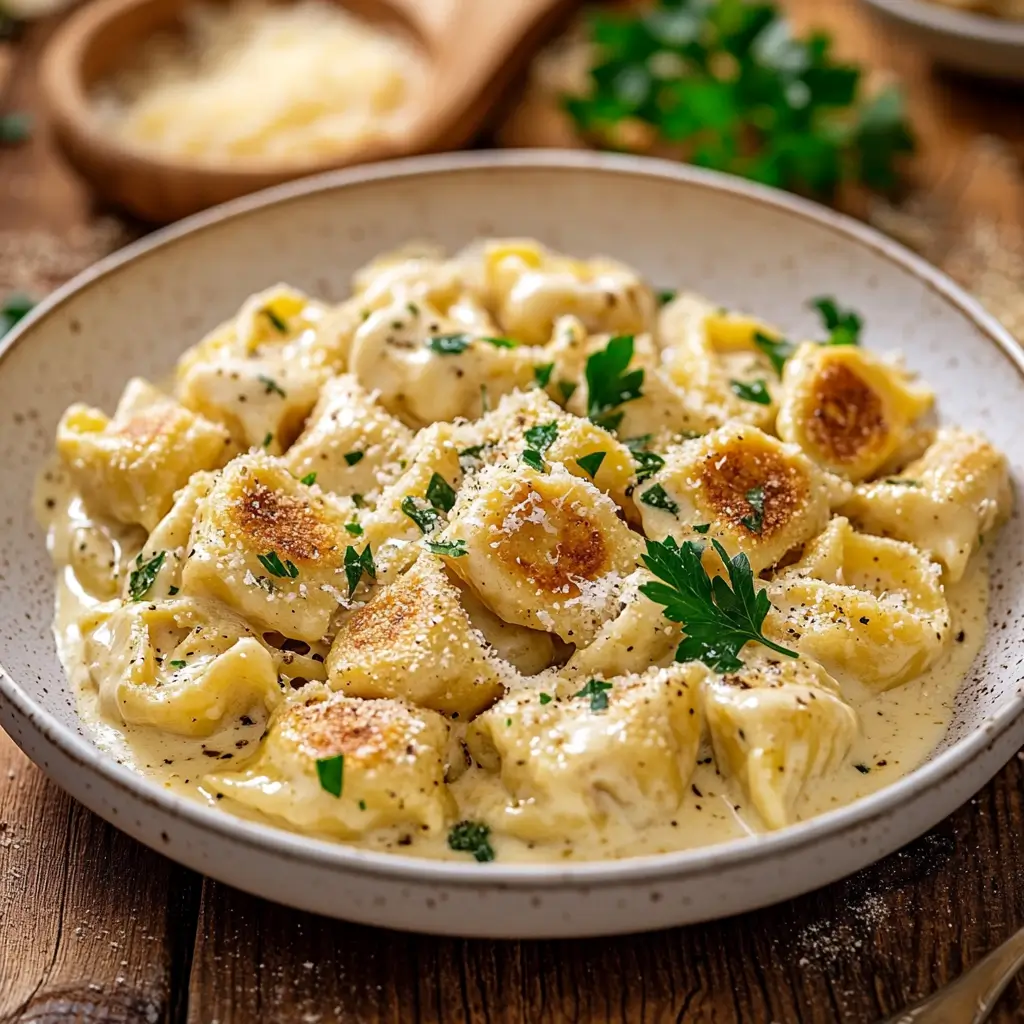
(977, 43)
(740, 244)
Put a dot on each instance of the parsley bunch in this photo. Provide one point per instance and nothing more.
(727, 82)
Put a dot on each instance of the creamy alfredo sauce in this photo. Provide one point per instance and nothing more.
(898, 729)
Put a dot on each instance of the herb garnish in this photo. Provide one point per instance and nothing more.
(354, 528)
(273, 564)
(267, 438)
(718, 619)
(426, 519)
(177, 663)
(545, 698)
(608, 383)
(453, 549)
(440, 493)
(862, 768)
(15, 307)
(309, 479)
(449, 344)
(647, 464)
(542, 436)
(501, 342)
(356, 564)
(754, 391)
(701, 528)
(359, 501)
(728, 84)
(279, 325)
(351, 458)
(778, 350)
(331, 773)
(754, 520)
(144, 575)
(542, 374)
(534, 460)
(472, 837)
(567, 388)
(271, 386)
(665, 296)
(843, 325)
(657, 497)
(591, 463)
(900, 481)
(597, 691)
(172, 591)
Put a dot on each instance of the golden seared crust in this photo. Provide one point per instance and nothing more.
(383, 620)
(738, 469)
(848, 418)
(285, 523)
(551, 544)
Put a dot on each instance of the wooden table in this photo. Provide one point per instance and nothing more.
(95, 927)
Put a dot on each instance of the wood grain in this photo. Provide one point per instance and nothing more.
(198, 951)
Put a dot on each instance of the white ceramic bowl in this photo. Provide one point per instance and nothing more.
(976, 43)
(742, 245)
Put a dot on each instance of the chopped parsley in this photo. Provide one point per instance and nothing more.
(657, 497)
(271, 386)
(591, 463)
(309, 479)
(545, 698)
(542, 374)
(542, 437)
(440, 493)
(647, 464)
(177, 663)
(172, 591)
(755, 391)
(701, 527)
(267, 439)
(453, 549)
(501, 342)
(14, 308)
(778, 350)
(356, 564)
(273, 564)
(719, 619)
(597, 691)
(331, 773)
(449, 344)
(359, 501)
(351, 458)
(534, 460)
(354, 528)
(843, 325)
(144, 575)
(862, 768)
(901, 481)
(567, 388)
(424, 517)
(278, 324)
(609, 384)
(754, 520)
(665, 296)
(472, 837)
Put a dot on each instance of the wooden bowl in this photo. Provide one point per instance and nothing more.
(470, 49)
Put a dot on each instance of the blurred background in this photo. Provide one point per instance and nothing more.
(116, 115)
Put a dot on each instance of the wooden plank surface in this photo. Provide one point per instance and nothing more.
(94, 927)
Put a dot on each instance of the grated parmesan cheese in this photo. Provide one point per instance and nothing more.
(251, 81)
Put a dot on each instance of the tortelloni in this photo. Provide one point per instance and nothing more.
(390, 760)
(847, 409)
(572, 759)
(743, 488)
(871, 610)
(503, 556)
(129, 467)
(182, 666)
(776, 725)
(945, 503)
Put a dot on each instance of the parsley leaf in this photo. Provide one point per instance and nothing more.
(665, 296)
(426, 519)
(472, 837)
(267, 438)
(15, 307)
(901, 481)
(843, 325)
(718, 619)
(273, 564)
(144, 575)
(276, 322)
(501, 342)
(331, 773)
(351, 458)
(449, 344)
(271, 386)
(356, 564)
(591, 463)
(597, 691)
(701, 527)
(440, 493)
(609, 385)
(755, 391)
(542, 436)
(545, 698)
(647, 464)
(754, 520)
(355, 529)
(359, 501)
(534, 460)
(309, 479)
(657, 497)
(178, 663)
(453, 549)
(567, 388)
(542, 374)
(778, 350)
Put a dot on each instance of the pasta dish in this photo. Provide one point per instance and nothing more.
(512, 556)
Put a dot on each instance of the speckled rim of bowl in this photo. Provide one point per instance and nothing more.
(930, 14)
(398, 867)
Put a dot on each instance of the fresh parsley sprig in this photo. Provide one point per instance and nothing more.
(843, 325)
(728, 86)
(357, 563)
(609, 384)
(144, 575)
(719, 619)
